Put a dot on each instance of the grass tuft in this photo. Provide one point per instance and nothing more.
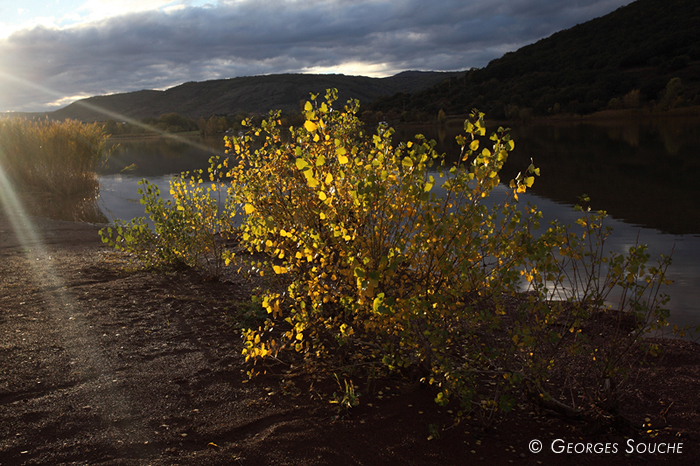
(51, 157)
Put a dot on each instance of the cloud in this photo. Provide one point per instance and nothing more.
(160, 48)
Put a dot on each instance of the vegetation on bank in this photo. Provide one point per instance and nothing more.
(382, 258)
(214, 126)
(173, 123)
(50, 157)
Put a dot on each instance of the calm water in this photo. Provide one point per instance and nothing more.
(643, 173)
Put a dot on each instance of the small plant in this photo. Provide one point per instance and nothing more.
(433, 432)
(188, 231)
(348, 398)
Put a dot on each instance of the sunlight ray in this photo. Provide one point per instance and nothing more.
(108, 113)
(62, 307)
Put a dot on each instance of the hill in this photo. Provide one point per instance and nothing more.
(625, 59)
(253, 94)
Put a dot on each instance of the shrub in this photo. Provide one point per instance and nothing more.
(381, 269)
(188, 231)
(51, 157)
(386, 256)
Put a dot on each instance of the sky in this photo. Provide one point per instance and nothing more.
(54, 52)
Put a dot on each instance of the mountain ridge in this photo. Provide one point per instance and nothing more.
(251, 94)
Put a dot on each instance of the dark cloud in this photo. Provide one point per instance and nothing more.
(157, 49)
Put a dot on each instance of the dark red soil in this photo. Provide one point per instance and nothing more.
(101, 365)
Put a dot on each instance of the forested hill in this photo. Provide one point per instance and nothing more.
(252, 94)
(624, 59)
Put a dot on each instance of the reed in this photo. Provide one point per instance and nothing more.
(51, 157)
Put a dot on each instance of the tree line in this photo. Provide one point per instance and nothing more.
(646, 54)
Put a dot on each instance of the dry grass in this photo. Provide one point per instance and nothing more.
(51, 157)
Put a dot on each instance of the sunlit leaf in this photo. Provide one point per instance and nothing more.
(310, 126)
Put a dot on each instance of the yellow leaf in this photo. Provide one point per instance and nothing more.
(249, 209)
(308, 107)
(279, 270)
(529, 180)
(320, 161)
(342, 159)
(310, 126)
(322, 195)
(474, 145)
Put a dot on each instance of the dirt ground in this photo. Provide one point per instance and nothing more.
(104, 366)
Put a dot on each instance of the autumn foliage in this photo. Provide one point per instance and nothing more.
(384, 255)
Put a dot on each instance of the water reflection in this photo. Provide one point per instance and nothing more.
(642, 171)
(155, 156)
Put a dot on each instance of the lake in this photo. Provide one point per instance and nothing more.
(644, 173)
